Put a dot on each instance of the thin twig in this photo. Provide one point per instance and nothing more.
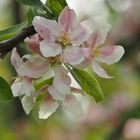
(9, 44)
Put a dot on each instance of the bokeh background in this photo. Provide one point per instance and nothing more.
(116, 118)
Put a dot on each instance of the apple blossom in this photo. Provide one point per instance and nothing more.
(60, 92)
(67, 41)
(70, 104)
(33, 43)
(31, 69)
(47, 108)
(98, 54)
(24, 86)
(58, 38)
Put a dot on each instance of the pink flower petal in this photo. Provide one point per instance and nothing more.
(72, 105)
(23, 87)
(47, 29)
(61, 83)
(111, 54)
(98, 29)
(61, 73)
(92, 42)
(33, 43)
(50, 49)
(55, 94)
(78, 35)
(27, 86)
(47, 108)
(67, 19)
(16, 61)
(99, 70)
(74, 55)
(33, 68)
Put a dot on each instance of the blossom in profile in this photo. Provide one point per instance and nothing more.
(60, 93)
(33, 43)
(32, 68)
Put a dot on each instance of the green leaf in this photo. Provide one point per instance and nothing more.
(12, 31)
(88, 83)
(40, 84)
(31, 13)
(34, 3)
(5, 90)
(56, 6)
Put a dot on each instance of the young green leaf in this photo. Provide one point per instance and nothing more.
(40, 84)
(5, 90)
(34, 3)
(88, 83)
(31, 13)
(56, 6)
(12, 31)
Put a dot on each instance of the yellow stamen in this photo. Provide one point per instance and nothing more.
(54, 60)
(64, 39)
(96, 52)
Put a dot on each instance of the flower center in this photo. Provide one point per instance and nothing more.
(64, 39)
(54, 60)
(96, 52)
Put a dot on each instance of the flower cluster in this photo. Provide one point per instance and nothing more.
(44, 76)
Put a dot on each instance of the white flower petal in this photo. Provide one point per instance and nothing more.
(34, 67)
(28, 103)
(55, 93)
(99, 70)
(27, 86)
(97, 29)
(67, 19)
(47, 29)
(23, 87)
(62, 73)
(50, 49)
(72, 105)
(78, 35)
(111, 54)
(61, 83)
(47, 109)
(16, 89)
(49, 74)
(73, 55)
(16, 61)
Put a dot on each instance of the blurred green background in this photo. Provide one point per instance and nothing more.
(116, 118)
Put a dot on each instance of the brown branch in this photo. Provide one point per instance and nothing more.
(9, 44)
